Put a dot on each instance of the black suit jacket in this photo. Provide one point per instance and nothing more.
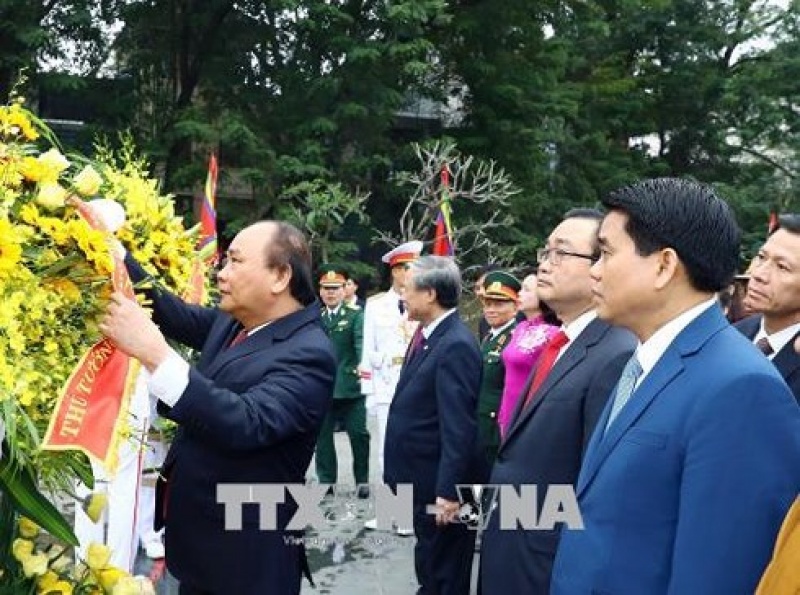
(786, 360)
(431, 433)
(544, 445)
(250, 414)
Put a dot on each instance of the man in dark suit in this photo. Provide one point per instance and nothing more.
(432, 429)
(248, 412)
(774, 292)
(545, 442)
(344, 324)
(696, 458)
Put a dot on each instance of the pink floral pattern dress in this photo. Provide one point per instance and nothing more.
(519, 357)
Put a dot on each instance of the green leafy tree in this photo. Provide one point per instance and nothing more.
(68, 34)
(323, 210)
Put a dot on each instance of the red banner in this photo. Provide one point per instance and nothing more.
(196, 292)
(91, 408)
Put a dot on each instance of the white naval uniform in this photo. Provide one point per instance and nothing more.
(387, 334)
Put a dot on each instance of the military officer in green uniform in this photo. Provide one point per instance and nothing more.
(344, 324)
(499, 300)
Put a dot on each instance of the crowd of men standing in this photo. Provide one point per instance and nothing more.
(681, 440)
(611, 369)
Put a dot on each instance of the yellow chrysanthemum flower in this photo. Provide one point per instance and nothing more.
(10, 249)
(88, 181)
(32, 169)
(14, 121)
(46, 582)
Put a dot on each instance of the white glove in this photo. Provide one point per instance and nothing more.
(110, 213)
(112, 217)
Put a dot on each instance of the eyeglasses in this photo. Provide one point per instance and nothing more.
(556, 255)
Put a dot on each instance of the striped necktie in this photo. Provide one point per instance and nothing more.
(625, 388)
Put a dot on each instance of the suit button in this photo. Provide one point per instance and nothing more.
(492, 414)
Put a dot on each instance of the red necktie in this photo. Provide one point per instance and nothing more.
(417, 340)
(240, 336)
(764, 346)
(546, 361)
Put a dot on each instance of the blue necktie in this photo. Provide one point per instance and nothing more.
(625, 388)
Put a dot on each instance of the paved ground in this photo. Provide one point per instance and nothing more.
(345, 558)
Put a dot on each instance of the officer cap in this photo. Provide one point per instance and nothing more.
(403, 254)
(499, 285)
(332, 275)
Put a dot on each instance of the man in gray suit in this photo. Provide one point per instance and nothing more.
(560, 405)
(774, 292)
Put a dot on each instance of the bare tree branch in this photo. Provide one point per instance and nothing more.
(472, 183)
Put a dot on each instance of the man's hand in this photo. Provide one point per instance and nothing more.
(127, 324)
(446, 511)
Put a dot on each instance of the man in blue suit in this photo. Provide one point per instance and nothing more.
(696, 457)
(431, 434)
(249, 412)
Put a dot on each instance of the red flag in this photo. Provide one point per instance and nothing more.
(207, 245)
(773, 222)
(443, 236)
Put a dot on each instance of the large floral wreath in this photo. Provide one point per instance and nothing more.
(55, 279)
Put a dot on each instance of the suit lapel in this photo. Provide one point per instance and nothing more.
(430, 343)
(216, 353)
(787, 360)
(749, 326)
(576, 352)
(261, 340)
(602, 442)
(670, 365)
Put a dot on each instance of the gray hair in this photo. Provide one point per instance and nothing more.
(441, 274)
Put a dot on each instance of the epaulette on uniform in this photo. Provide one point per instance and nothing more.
(352, 306)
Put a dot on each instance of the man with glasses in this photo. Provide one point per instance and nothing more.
(774, 292)
(558, 408)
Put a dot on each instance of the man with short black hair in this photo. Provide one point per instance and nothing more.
(432, 429)
(558, 407)
(773, 291)
(696, 457)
